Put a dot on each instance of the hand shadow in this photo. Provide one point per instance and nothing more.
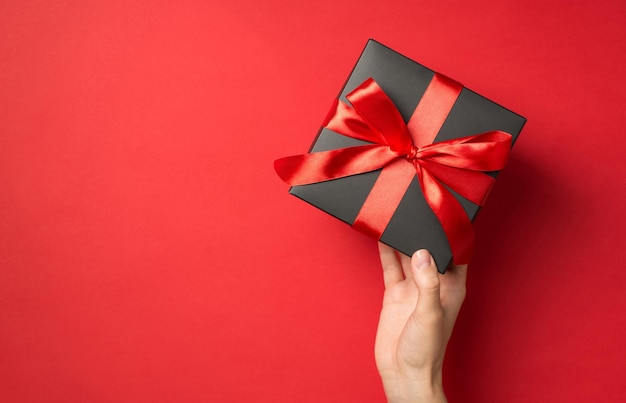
(528, 219)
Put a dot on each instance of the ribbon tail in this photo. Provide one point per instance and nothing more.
(453, 218)
(322, 166)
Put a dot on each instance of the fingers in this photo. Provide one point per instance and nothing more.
(405, 262)
(392, 266)
(426, 279)
(453, 287)
(459, 272)
(452, 294)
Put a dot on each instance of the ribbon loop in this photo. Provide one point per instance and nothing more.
(381, 115)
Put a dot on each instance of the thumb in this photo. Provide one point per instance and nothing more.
(426, 278)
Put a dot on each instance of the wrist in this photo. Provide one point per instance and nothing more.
(414, 388)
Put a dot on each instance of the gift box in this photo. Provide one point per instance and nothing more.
(406, 155)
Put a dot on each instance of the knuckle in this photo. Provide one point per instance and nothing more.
(431, 283)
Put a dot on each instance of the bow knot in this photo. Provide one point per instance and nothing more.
(412, 155)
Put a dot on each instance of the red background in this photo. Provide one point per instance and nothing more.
(149, 253)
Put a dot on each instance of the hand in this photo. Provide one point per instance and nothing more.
(419, 309)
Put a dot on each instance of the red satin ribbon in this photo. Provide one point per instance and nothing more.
(455, 163)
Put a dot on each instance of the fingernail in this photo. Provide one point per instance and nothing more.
(422, 259)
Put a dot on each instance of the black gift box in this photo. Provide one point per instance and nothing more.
(413, 226)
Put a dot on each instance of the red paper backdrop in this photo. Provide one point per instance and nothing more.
(149, 253)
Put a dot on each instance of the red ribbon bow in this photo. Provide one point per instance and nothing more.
(456, 163)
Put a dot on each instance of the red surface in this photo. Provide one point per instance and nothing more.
(148, 252)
